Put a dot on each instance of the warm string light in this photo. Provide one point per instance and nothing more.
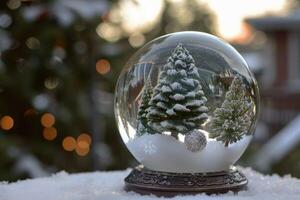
(82, 151)
(47, 120)
(50, 133)
(81, 145)
(69, 143)
(103, 66)
(7, 122)
(84, 138)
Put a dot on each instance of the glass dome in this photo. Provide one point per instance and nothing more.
(186, 102)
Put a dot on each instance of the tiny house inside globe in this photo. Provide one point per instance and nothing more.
(187, 103)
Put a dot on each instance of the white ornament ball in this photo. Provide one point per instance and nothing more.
(195, 141)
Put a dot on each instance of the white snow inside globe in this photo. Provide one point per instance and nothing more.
(186, 103)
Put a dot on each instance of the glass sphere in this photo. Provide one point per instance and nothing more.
(187, 103)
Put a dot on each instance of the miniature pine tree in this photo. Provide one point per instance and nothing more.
(233, 119)
(178, 102)
(142, 112)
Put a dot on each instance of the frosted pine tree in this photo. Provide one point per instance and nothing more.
(232, 121)
(142, 126)
(178, 102)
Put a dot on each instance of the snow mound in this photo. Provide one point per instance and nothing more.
(109, 186)
(172, 155)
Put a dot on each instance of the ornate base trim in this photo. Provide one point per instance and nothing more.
(145, 181)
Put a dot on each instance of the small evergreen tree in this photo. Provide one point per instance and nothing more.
(233, 119)
(178, 102)
(142, 126)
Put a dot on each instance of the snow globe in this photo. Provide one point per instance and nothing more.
(186, 106)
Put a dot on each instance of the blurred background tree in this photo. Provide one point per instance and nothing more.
(60, 60)
(294, 4)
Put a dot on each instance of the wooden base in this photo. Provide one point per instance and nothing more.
(145, 181)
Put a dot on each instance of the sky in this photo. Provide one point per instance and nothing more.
(229, 13)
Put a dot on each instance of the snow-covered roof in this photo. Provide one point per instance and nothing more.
(272, 23)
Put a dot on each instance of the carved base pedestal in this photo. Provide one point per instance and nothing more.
(145, 181)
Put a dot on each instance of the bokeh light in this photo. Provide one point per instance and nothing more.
(102, 66)
(82, 151)
(32, 43)
(5, 20)
(83, 144)
(51, 83)
(50, 133)
(136, 40)
(13, 4)
(69, 143)
(109, 32)
(47, 120)
(7, 122)
(41, 101)
(84, 138)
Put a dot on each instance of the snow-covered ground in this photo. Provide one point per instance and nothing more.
(109, 186)
(165, 153)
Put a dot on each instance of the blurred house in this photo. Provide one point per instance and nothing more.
(280, 80)
(280, 87)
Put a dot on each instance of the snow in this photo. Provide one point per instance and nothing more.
(183, 73)
(109, 186)
(170, 112)
(161, 105)
(166, 124)
(181, 108)
(165, 89)
(169, 65)
(149, 148)
(189, 82)
(177, 97)
(194, 103)
(191, 94)
(202, 109)
(155, 125)
(195, 72)
(180, 63)
(171, 72)
(199, 117)
(176, 86)
(157, 113)
(159, 97)
(173, 156)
